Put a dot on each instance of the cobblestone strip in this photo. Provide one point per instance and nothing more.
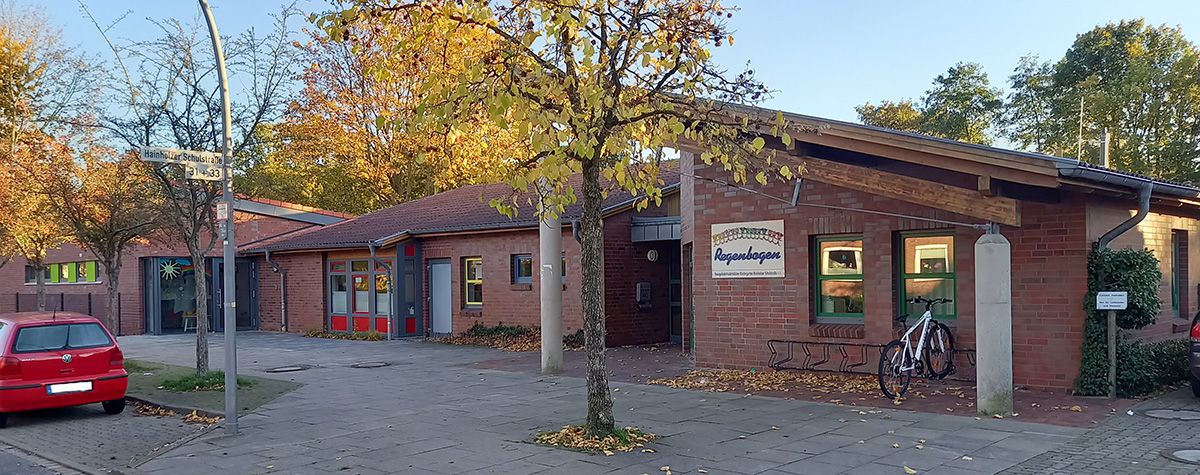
(1125, 444)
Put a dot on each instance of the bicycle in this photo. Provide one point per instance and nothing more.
(899, 359)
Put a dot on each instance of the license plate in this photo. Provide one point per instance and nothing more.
(69, 387)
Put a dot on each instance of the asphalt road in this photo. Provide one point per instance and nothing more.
(12, 464)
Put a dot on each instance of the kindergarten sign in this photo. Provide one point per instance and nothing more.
(753, 249)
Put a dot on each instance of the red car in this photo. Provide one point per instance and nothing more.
(57, 359)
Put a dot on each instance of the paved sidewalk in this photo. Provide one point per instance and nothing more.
(1126, 444)
(430, 412)
(87, 438)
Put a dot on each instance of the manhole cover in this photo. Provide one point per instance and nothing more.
(370, 364)
(288, 369)
(1173, 414)
(1191, 456)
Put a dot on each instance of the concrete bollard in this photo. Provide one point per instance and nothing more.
(993, 324)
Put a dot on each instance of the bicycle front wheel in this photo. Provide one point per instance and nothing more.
(939, 351)
(892, 379)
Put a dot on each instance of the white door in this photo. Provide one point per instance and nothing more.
(439, 295)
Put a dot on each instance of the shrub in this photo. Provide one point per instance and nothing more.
(369, 335)
(574, 340)
(1141, 367)
(499, 330)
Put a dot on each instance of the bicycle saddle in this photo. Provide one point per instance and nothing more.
(902, 318)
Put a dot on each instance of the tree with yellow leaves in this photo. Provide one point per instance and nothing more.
(591, 86)
(341, 145)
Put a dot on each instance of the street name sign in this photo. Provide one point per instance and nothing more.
(1112, 300)
(197, 165)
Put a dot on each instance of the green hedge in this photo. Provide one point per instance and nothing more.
(1142, 368)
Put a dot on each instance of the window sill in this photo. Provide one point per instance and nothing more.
(836, 330)
(520, 287)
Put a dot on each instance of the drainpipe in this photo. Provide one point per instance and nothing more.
(282, 291)
(389, 289)
(1144, 192)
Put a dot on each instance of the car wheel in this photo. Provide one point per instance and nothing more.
(1192, 376)
(3, 420)
(115, 406)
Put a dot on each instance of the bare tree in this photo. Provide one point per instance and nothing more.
(164, 92)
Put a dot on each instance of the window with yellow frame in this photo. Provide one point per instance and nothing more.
(473, 281)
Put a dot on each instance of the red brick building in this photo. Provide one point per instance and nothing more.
(881, 215)
(157, 279)
(440, 264)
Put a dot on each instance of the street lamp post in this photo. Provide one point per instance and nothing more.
(228, 291)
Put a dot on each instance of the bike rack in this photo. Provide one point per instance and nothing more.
(784, 352)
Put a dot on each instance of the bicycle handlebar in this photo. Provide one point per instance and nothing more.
(928, 303)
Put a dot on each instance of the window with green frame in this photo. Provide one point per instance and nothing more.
(927, 270)
(66, 273)
(473, 281)
(839, 290)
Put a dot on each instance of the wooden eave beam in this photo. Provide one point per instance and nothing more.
(962, 201)
(937, 158)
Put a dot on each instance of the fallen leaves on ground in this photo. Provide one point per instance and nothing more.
(151, 409)
(531, 341)
(576, 437)
(728, 380)
(196, 418)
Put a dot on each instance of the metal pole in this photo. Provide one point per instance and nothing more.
(1112, 354)
(1112, 314)
(229, 291)
(550, 280)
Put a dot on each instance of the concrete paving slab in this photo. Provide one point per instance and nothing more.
(433, 406)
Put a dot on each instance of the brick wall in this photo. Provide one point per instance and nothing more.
(503, 301)
(519, 304)
(734, 318)
(625, 265)
(12, 276)
(1155, 233)
(305, 292)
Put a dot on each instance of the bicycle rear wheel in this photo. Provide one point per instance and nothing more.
(892, 380)
(939, 351)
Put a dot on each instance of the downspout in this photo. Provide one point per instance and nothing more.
(278, 269)
(1144, 192)
(391, 302)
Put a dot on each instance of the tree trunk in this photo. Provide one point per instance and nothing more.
(40, 269)
(111, 276)
(201, 312)
(591, 231)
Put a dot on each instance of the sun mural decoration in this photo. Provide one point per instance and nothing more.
(170, 269)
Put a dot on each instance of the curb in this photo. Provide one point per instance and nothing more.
(182, 410)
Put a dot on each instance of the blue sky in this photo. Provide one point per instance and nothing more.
(822, 57)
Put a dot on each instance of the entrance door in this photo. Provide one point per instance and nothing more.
(246, 298)
(676, 282)
(439, 297)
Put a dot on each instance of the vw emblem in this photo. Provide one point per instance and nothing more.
(67, 358)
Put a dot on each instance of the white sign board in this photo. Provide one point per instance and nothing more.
(203, 171)
(222, 211)
(1112, 300)
(181, 157)
(747, 250)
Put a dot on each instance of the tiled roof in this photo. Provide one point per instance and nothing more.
(461, 209)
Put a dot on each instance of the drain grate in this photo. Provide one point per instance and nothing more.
(1191, 456)
(288, 369)
(1172, 414)
(370, 364)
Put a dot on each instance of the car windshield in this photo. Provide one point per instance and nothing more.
(60, 337)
